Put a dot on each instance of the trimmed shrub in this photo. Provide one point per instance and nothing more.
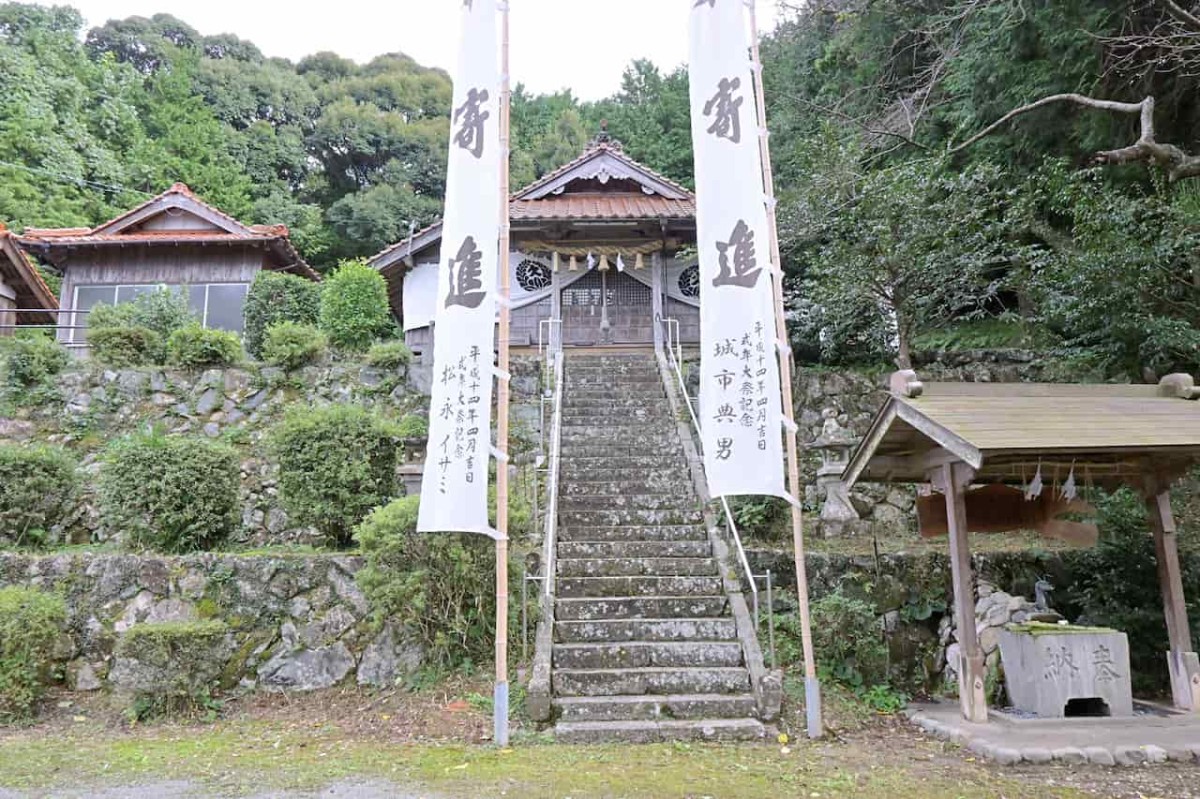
(390, 355)
(164, 311)
(276, 297)
(292, 345)
(36, 487)
(30, 623)
(335, 464)
(196, 347)
(30, 358)
(171, 667)
(126, 346)
(170, 493)
(440, 586)
(354, 307)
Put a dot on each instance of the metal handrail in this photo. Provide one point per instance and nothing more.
(675, 345)
(552, 469)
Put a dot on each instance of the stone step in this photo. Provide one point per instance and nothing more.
(589, 428)
(647, 654)
(632, 586)
(616, 630)
(639, 607)
(666, 502)
(615, 682)
(645, 732)
(636, 533)
(634, 549)
(617, 444)
(655, 708)
(621, 518)
(652, 483)
(574, 472)
(629, 465)
(635, 566)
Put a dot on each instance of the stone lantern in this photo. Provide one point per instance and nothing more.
(834, 445)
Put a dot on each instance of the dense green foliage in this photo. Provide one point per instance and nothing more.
(413, 426)
(292, 345)
(29, 358)
(30, 623)
(335, 465)
(354, 307)
(36, 488)
(126, 346)
(847, 641)
(276, 297)
(441, 586)
(890, 231)
(196, 347)
(170, 493)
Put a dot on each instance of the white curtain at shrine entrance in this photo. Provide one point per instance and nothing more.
(454, 492)
(739, 369)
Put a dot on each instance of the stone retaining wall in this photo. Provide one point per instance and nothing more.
(298, 623)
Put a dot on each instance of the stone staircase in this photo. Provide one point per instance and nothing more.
(645, 646)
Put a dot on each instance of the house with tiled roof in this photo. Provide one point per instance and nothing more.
(25, 299)
(595, 244)
(172, 240)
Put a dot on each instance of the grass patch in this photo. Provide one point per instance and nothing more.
(258, 756)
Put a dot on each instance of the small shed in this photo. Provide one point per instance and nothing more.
(25, 299)
(173, 240)
(953, 435)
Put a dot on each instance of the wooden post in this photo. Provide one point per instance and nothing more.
(1182, 661)
(812, 687)
(954, 479)
(500, 703)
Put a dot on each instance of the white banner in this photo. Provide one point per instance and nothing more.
(454, 492)
(739, 367)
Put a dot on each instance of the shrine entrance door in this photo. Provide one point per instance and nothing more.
(607, 308)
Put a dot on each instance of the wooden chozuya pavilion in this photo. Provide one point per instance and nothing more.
(953, 434)
(594, 245)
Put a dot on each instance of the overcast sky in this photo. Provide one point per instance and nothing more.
(583, 45)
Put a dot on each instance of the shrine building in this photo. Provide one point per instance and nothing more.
(601, 244)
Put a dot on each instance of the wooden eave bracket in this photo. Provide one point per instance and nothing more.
(905, 383)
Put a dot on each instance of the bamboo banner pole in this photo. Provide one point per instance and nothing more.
(500, 703)
(812, 686)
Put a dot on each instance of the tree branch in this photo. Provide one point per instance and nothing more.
(1178, 164)
(1182, 15)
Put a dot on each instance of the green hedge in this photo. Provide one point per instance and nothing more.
(37, 485)
(179, 664)
(30, 623)
(170, 493)
(119, 347)
(197, 347)
(30, 358)
(390, 355)
(354, 307)
(276, 297)
(441, 586)
(291, 346)
(335, 464)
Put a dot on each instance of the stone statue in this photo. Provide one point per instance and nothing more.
(1040, 589)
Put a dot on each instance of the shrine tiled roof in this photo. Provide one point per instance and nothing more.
(603, 206)
(19, 273)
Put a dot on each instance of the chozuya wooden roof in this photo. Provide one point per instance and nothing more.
(1108, 433)
(26, 281)
(129, 228)
(601, 185)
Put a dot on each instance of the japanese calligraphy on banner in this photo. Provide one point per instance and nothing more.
(454, 492)
(739, 370)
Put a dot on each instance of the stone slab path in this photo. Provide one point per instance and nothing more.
(1143, 739)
